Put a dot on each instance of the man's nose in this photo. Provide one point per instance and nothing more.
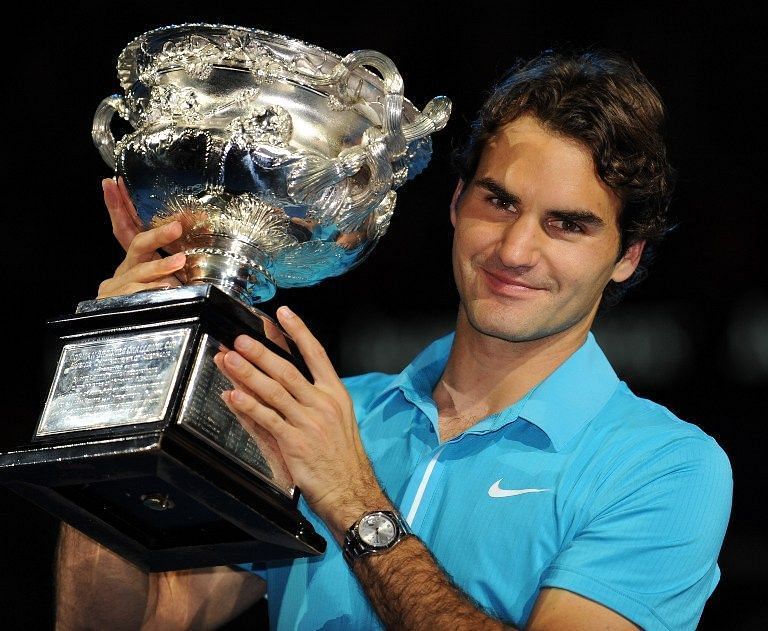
(521, 242)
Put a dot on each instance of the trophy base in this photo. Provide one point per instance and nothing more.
(152, 465)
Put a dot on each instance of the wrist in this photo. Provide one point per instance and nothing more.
(347, 513)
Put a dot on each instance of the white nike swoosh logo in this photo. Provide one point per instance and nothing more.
(497, 491)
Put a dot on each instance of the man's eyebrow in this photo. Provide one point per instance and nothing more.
(581, 216)
(492, 186)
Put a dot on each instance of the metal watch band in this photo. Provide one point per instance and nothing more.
(354, 547)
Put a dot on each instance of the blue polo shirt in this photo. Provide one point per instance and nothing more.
(580, 485)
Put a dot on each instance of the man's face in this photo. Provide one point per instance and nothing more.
(536, 237)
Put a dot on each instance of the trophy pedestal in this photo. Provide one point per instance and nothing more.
(136, 449)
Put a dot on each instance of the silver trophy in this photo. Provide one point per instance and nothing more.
(281, 161)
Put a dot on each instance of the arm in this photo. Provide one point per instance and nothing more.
(315, 428)
(97, 588)
(94, 584)
(409, 591)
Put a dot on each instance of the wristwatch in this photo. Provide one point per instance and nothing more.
(374, 533)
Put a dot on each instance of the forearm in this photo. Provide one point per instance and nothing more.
(409, 590)
(95, 587)
(405, 585)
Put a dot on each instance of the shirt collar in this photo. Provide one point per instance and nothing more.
(560, 405)
(572, 395)
(420, 377)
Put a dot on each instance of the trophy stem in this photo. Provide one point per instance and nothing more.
(232, 265)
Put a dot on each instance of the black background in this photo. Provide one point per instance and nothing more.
(701, 316)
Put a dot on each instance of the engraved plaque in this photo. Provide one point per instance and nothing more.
(111, 381)
(205, 413)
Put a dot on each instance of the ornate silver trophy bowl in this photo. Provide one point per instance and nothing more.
(280, 158)
(281, 161)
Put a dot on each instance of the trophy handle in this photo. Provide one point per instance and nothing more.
(433, 118)
(391, 125)
(102, 127)
(381, 147)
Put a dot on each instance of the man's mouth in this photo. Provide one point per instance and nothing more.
(504, 283)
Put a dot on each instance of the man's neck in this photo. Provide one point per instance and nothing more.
(485, 375)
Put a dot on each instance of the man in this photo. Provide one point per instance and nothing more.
(540, 492)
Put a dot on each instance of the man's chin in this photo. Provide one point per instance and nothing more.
(509, 332)
(524, 328)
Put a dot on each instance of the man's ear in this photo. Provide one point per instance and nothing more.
(455, 200)
(628, 263)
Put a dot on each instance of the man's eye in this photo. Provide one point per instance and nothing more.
(566, 225)
(501, 204)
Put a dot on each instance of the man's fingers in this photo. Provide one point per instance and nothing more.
(266, 389)
(277, 368)
(311, 350)
(154, 270)
(128, 203)
(218, 359)
(149, 275)
(144, 246)
(124, 226)
(106, 289)
(249, 410)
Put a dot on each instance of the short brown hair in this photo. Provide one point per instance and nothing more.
(605, 102)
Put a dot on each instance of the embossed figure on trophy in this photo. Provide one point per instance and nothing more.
(280, 159)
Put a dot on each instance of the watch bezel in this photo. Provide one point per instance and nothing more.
(355, 546)
(380, 515)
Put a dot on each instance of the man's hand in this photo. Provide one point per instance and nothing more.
(143, 268)
(313, 423)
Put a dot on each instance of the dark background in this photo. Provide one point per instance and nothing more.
(694, 336)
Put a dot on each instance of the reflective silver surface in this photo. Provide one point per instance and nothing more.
(141, 298)
(113, 380)
(279, 158)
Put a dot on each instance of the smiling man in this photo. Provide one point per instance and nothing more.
(537, 237)
(506, 477)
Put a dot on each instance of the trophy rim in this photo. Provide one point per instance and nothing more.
(127, 62)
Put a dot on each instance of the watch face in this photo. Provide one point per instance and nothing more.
(377, 530)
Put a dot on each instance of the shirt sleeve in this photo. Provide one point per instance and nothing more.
(649, 548)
